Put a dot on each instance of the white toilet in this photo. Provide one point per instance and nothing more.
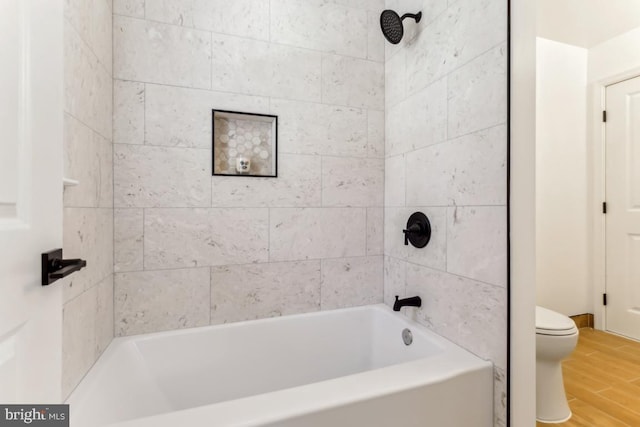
(556, 337)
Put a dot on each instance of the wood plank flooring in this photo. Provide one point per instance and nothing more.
(602, 381)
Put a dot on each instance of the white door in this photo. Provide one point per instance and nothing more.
(31, 104)
(623, 207)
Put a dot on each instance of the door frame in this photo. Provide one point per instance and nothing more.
(521, 394)
(596, 137)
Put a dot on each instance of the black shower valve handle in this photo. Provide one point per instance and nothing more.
(412, 229)
(418, 230)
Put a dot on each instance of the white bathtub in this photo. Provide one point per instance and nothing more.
(334, 368)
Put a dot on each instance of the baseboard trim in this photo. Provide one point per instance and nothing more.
(583, 320)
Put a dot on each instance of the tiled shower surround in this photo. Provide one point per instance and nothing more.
(88, 207)
(192, 249)
(368, 133)
(446, 155)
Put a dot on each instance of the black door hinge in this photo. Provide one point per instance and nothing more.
(604, 299)
(604, 207)
(604, 116)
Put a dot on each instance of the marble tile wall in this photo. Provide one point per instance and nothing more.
(446, 148)
(192, 249)
(88, 208)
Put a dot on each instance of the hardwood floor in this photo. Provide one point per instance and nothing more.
(602, 381)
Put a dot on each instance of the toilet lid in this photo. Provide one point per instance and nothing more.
(549, 322)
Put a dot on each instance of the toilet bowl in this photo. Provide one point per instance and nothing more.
(556, 337)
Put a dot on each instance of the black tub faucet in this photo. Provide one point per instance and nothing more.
(406, 302)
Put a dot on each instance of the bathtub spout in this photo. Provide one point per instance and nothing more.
(407, 302)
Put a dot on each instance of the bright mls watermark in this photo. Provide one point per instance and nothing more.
(34, 415)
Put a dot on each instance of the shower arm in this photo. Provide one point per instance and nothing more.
(416, 16)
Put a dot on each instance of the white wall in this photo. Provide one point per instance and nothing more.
(617, 55)
(609, 62)
(522, 399)
(586, 23)
(561, 178)
(566, 150)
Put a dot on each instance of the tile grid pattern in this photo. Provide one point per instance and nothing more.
(88, 207)
(445, 155)
(191, 249)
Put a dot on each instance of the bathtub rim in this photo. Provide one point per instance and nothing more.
(299, 400)
(380, 307)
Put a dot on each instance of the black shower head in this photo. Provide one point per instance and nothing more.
(391, 24)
